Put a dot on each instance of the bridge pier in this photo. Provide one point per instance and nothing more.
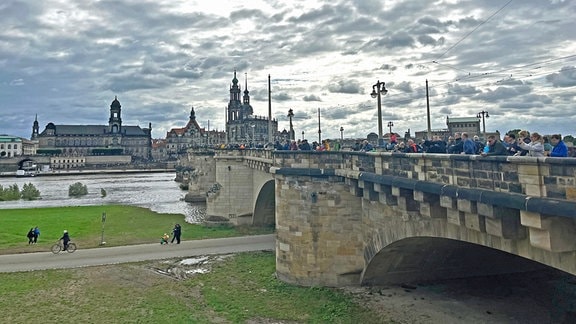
(318, 225)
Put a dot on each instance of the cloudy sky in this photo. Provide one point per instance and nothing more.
(66, 60)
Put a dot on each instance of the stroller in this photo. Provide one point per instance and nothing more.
(164, 239)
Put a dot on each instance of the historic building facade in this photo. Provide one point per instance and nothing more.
(470, 125)
(82, 140)
(10, 146)
(178, 140)
(242, 126)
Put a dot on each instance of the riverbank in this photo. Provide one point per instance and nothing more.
(85, 172)
(87, 225)
(157, 191)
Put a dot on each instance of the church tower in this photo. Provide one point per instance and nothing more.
(246, 108)
(115, 121)
(35, 128)
(235, 105)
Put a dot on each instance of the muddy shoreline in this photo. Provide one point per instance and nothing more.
(547, 296)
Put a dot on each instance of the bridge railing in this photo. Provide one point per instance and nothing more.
(530, 176)
(551, 178)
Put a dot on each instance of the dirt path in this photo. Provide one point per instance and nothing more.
(134, 253)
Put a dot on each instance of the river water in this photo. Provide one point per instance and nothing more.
(155, 191)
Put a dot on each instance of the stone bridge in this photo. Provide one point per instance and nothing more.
(349, 218)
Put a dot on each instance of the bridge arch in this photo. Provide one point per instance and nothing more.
(265, 206)
(421, 259)
(25, 162)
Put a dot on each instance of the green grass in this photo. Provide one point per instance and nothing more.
(257, 293)
(238, 290)
(124, 225)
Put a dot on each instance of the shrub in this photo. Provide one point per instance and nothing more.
(10, 193)
(29, 192)
(78, 189)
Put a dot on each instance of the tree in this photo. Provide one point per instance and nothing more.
(10, 193)
(78, 189)
(514, 131)
(29, 192)
(102, 192)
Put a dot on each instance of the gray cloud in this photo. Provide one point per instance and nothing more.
(348, 86)
(67, 60)
(563, 79)
(311, 98)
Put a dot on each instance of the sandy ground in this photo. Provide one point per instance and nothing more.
(536, 297)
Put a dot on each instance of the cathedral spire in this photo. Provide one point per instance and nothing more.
(246, 98)
(35, 128)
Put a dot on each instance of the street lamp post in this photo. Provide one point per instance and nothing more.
(302, 135)
(319, 130)
(253, 138)
(378, 90)
(341, 134)
(483, 114)
(390, 124)
(290, 115)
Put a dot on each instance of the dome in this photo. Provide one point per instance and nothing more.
(115, 103)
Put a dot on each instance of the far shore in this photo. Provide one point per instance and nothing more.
(85, 171)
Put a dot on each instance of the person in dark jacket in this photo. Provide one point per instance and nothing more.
(30, 236)
(436, 145)
(495, 147)
(65, 240)
(176, 232)
(457, 146)
(305, 146)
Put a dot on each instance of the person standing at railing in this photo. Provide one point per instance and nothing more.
(495, 147)
(560, 149)
(535, 147)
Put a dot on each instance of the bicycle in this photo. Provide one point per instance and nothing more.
(59, 246)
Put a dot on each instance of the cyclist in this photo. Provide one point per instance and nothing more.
(65, 239)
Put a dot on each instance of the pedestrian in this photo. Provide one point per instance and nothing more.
(36, 234)
(560, 149)
(65, 239)
(468, 145)
(494, 147)
(176, 232)
(30, 236)
(535, 146)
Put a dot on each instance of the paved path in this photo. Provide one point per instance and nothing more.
(133, 253)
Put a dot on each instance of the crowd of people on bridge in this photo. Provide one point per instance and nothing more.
(525, 144)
